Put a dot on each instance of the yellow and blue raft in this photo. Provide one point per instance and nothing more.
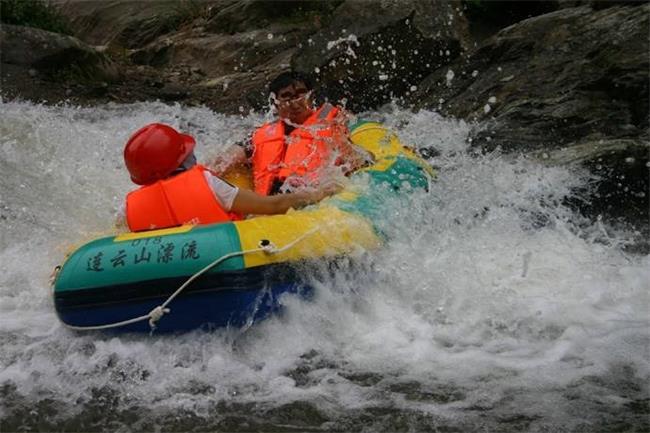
(233, 273)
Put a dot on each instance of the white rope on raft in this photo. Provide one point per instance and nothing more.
(157, 313)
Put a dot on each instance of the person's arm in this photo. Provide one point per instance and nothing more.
(354, 156)
(350, 154)
(249, 202)
(233, 156)
(236, 154)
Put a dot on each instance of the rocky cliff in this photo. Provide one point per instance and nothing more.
(567, 87)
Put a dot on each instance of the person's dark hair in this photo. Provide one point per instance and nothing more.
(188, 163)
(288, 78)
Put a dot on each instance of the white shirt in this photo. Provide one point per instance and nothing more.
(224, 191)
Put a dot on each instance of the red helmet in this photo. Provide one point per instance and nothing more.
(155, 151)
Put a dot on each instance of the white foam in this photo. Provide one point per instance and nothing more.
(490, 284)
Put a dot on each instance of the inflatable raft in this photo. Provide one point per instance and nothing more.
(230, 274)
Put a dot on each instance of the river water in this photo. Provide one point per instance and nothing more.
(494, 308)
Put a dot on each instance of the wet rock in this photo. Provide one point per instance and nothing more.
(369, 55)
(44, 51)
(245, 62)
(571, 84)
(97, 90)
(130, 24)
(154, 54)
(488, 17)
(156, 83)
(241, 16)
(551, 80)
(249, 42)
(621, 167)
(173, 92)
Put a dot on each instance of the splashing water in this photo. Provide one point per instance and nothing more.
(493, 307)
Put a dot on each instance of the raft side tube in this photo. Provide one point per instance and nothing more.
(149, 255)
(231, 298)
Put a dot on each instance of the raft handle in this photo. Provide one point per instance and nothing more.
(267, 246)
(54, 275)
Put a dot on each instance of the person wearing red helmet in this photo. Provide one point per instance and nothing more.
(175, 190)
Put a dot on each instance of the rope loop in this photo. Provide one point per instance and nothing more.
(156, 314)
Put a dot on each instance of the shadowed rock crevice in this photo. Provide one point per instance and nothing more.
(54, 54)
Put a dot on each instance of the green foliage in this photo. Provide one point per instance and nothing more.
(34, 13)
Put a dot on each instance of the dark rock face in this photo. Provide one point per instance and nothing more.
(240, 16)
(126, 23)
(570, 86)
(365, 52)
(621, 169)
(553, 80)
(52, 53)
(488, 17)
(234, 69)
(370, 54)
(359, 53)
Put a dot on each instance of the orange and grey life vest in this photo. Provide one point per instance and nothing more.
(304, 150)
(182, 199)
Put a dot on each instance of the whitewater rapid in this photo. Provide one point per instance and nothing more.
(494, 307)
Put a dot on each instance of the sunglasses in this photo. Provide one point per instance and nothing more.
(299, 96)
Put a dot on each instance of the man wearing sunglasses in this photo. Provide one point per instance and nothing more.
(300, 146)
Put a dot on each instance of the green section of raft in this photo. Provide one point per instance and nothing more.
(111, 261)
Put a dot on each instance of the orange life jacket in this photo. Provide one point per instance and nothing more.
(303, 150)
(182, 199)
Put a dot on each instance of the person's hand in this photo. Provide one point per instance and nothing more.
(232, 157)
(327, 189)
(218, 164)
